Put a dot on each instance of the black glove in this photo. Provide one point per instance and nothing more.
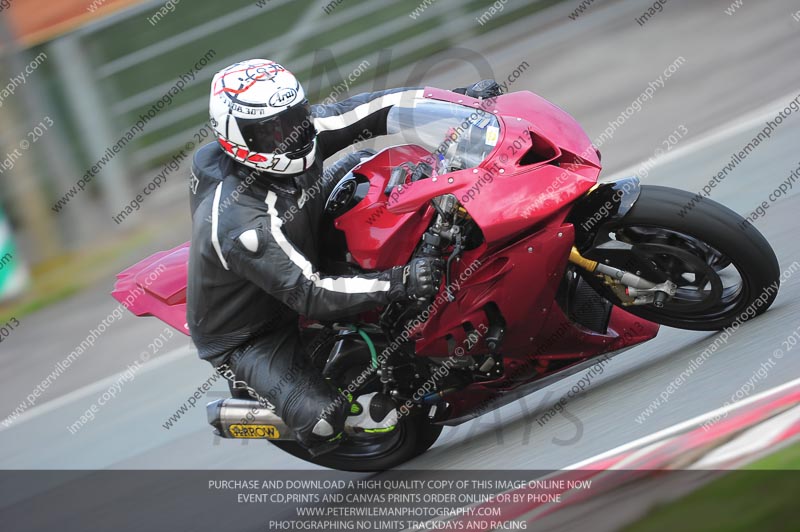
(420, 279)
(486, 88)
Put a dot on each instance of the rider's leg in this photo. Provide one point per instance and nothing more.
(275, 370)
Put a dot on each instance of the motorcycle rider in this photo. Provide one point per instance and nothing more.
(258, 195)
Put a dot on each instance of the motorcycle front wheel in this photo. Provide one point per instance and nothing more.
(724, 268)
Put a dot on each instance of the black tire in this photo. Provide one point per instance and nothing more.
(414, 435)
(741, 244)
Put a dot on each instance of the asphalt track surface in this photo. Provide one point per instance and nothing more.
(738, 72)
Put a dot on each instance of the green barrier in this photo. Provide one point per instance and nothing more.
(13, 273)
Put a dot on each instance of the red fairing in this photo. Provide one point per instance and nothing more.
(543, 162)
(521, 193)
(156, 287)
(376, 237)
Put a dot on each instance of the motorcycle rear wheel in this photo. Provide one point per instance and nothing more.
(412, 436)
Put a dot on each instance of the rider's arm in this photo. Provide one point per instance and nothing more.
(356, 119)
(335, 172)
(262, 254)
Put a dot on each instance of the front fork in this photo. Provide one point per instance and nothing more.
(605, 203)
(630, 288)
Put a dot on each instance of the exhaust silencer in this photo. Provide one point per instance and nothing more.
(246, 419)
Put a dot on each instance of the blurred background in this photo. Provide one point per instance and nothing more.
(82, 73)
(100, 99)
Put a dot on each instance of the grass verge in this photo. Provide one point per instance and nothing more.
(763, 496)
(58, 279)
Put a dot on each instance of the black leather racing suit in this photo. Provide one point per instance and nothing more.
(252, 265)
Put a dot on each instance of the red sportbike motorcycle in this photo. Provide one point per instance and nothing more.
(547, 269)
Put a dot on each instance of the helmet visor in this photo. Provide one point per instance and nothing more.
(289, 132)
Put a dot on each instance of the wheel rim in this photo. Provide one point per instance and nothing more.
(372, 446)
(710, 285)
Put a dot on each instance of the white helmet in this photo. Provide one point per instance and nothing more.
(262, 117)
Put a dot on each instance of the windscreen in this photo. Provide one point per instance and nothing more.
(458, 137)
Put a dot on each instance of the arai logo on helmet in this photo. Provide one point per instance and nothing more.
(282, 97)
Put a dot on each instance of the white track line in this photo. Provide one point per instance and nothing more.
(94, 387)
(716, 135)
(681, 427)
(750, 442)
(648, 443)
